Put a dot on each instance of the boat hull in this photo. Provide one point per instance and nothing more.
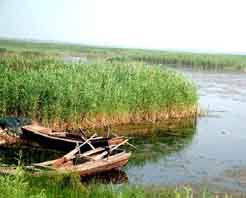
(40, 136)
(93, 167)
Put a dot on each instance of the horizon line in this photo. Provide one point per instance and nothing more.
(178, 50)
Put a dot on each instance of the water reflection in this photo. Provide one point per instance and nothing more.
(159, 141)
(217, 144)
(26, 155)
(109, 177)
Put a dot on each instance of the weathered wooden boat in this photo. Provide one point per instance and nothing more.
(91, 166)
(64, 140)
(88, 163)
(88, 167)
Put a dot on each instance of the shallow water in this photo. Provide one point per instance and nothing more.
(218, 143)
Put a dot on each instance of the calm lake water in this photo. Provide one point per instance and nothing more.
(218, 142)
(198, 151)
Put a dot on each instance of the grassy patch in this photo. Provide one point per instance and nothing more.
(22, 185)
(92, 95)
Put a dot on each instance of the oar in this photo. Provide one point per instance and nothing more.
(114, 134)
(117, 146)
(83, 137)
(77, 149)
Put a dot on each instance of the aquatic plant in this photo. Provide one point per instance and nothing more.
(92, 95)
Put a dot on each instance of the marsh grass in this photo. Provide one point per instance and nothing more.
(216, 62)
(92, 95)
(24, 185)
(206, 61)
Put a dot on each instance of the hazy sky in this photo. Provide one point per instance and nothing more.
(178, 24)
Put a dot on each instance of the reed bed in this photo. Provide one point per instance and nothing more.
(100, 54)
(195, 60)
(92, 95)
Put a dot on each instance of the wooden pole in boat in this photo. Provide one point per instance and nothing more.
(66, 157)
(114, 134)
(83, 137)
(117, 146)
(77, 149)
(82, 132)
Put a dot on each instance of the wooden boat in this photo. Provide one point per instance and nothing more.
(64, 140)
(86, 163)
(112, 162)
(85, 168)
(90, 162)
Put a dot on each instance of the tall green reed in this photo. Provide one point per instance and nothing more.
(48, 89)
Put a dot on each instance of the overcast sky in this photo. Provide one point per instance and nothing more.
(218, 25)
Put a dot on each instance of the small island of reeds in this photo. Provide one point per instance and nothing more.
(70, 95)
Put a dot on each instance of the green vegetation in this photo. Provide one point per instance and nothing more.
(92, 95)
(22, 185)
(196, 60)
(199, 61)
(114, 86)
